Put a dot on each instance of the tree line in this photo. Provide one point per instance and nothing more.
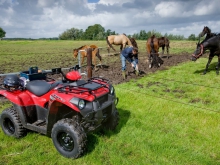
(97, 32)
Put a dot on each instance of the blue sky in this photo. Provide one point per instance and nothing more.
(49, 18)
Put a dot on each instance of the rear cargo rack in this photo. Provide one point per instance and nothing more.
(90, 85)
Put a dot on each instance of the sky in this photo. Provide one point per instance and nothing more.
(50, 18)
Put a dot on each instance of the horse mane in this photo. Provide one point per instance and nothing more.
(152, 37)
(77, 49)
(208, 29)
(81, 47)
(152, 42)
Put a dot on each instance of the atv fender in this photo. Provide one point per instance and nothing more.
(14, 97)
(59, 110)
(21, 114)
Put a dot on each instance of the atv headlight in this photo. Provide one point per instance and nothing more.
(111, 90)
(81, 104)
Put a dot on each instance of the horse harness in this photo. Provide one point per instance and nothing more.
(201, 52)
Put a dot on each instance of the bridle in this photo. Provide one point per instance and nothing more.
(201, 52)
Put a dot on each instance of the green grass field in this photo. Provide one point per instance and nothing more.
(170, 117)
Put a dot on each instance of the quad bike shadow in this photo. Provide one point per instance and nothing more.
(93, 140)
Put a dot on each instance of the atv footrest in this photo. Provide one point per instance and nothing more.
(39, 123)
(38, 126)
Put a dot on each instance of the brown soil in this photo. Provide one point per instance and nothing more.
(112, 70)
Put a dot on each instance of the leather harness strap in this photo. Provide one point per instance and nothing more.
(201, 52)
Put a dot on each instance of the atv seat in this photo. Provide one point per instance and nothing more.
(39, 87)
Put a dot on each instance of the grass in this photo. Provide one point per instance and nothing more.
(168, 117)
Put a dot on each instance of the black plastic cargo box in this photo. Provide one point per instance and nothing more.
(33, 74)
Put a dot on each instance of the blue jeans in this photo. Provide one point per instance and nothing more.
(123, 62)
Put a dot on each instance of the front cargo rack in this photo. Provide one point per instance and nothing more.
(81, 86)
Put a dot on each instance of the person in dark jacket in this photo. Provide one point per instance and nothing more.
(131, 55)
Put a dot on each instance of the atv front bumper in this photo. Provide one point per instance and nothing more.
(102, 109)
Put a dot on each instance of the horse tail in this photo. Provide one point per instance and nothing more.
(110, 45)
(133, 42)
(167, 42)
(129, 42)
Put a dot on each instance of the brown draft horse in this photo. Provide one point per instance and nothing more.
(121, 40)
(95, 52)
(164, 42)
(152, 46)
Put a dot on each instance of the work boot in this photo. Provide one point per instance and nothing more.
(123, 74)
(137, 72)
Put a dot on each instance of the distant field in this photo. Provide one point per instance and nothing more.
(20, 55)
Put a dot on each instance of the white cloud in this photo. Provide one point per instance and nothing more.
(144, 15)
(171, 9)
(113, 2)
(204, 8)
(92, 6)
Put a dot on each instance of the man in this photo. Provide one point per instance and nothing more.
(131, 55)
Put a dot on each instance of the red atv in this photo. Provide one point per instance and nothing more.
(65, 110)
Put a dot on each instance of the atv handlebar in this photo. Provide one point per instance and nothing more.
(59, 71)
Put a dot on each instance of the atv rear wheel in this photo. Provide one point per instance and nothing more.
(112, 121)
(11, 124)
(69, 138)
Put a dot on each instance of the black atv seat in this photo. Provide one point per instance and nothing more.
(39, 87)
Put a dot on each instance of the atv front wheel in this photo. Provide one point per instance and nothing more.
(112, 121)
(11, 124)
(69, 138)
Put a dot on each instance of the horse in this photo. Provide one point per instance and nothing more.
(121, 40)
(164, 42)
(206, 30)
(152, 46)
(95, 52)
(213, 45)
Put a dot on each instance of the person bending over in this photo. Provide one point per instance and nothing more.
(131, 55)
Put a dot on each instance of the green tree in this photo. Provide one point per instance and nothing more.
(192, 37)
(143, 35)
(109, 32)
(71, 34)
(2, 33)
(94, 32)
